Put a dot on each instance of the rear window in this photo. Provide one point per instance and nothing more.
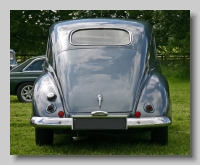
(100, 37)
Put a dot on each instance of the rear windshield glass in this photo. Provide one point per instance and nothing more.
(100, 37)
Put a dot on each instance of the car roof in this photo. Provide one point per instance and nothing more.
(11, 50)
(62, 29)
(104, 21)
(69, 25)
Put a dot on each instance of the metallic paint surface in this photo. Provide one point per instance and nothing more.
(126, 76)
(112, 72)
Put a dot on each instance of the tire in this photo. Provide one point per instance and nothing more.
(43, 136)
(160, 135)
(25, 92)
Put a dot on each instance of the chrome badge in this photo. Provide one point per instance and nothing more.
(99, 113)
(100, 99)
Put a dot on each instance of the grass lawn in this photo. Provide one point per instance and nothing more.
(22, 136)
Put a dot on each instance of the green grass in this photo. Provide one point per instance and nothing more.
(176, 70)
(22, 136)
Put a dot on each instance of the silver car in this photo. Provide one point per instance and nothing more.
(101, 75)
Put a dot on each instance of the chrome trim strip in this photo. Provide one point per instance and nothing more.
(53, 122)
(99, 113)
(32, 71)
(148, 122)
(15, 72)
(23, 77)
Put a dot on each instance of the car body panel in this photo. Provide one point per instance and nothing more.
(43, 86)
(99, 82)
(118, 73)
(114, 73)
(62, 30)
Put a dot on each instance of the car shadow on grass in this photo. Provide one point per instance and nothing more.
(103, 140)
(103, 144)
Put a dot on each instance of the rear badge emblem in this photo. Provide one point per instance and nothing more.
(100, 99)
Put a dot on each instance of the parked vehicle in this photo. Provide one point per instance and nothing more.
(13, 60)
(101, 75)
(23, 77)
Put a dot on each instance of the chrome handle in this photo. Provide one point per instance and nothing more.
(100, 99)
(99, 113)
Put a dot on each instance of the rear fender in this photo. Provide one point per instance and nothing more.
(155, 92)
(44, 85)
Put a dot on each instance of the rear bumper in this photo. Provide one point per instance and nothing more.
(56, 123)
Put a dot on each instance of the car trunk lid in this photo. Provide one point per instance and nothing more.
(112, 74)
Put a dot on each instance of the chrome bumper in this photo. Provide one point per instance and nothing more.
(49, 122)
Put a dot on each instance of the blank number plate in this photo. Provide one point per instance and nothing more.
(99, 123)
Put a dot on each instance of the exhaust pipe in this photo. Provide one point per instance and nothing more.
(77, 138)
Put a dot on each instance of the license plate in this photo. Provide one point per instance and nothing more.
(99, 123)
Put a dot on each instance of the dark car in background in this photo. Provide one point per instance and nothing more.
(101, 75)
(13, 60)
(23, 76)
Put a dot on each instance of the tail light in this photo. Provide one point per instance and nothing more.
(51, 108)
(137, 114)
(61, 113)
(148, 107)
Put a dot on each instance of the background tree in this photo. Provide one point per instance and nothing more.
(29, 28)
(172, 30)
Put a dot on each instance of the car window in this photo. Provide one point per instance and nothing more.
(100, 37)
(35, 66)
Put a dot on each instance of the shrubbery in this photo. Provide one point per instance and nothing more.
(176, 69)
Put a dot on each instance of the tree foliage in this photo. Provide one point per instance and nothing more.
(172, 30)
(29, 28)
